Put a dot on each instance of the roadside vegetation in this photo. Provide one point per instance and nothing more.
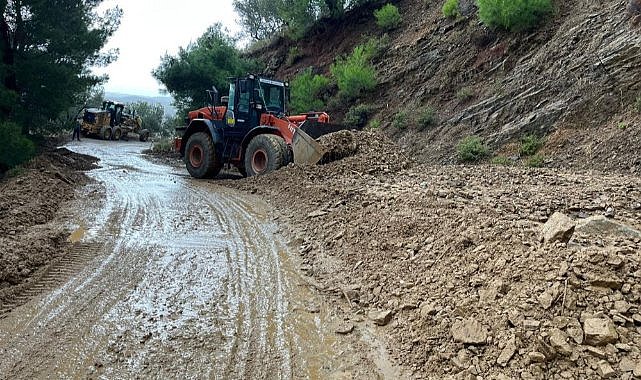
(388, 17)
(513, 15)
(38, 95)
(308, 91)
(472, 149)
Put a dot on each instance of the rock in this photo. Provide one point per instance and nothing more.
(559, 341)
(536, 357)
(601, 226)
(531, 325)
(507, 353)
(575, 332)
(637, 370)
(558, 228)
(316, 214)
(605, 370)
(599, 331)
(428, 309)
(547, 298)
(621, 306)
(627, 365)
(344, 328)
(596, 352)
(381, 318)
(602, 281)
(469, 331)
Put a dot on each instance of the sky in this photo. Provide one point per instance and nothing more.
(151, 28)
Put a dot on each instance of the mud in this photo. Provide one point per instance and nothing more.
(30, 236)
(438, 246)
(171, 277)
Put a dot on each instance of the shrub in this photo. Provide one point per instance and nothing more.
(637, 104)
(501, 160)
(464, 94)
(514, 15)
(622, 126)
(375, 47)
(375, 124)
(307, 90)
(471, 149)
(354, 74)
(293, 55)
(427, 118)
(16, 148)
(450, 9)
(530, 144)
(358, 116)
(536, 161)
(388, 17)
(163, 146)
(400, 120)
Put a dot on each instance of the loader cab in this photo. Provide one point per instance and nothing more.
(252, 96)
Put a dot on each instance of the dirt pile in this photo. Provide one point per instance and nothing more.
(449, 262)
(570, 79)
(29, 203)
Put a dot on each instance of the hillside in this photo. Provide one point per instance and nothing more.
(165, 101)
(572, 80)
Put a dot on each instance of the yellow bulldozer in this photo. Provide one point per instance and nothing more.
(111, 122)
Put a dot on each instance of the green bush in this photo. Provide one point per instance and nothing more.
(375, 47)
(388, 17)
(400, 121)
(471, 149)
(513, 15)
(450, 9)
(536, 161)
(307, 91)
(163, 146)
(16, 148)
(427, 119)
(530, 144)
(375, 124)
(464, 94)
(294, 55)
(358, 116)
(501, 160)
(354, 74)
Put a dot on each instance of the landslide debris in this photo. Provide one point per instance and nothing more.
(30, 236)
(456, 257)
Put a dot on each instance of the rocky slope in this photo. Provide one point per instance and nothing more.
(474, 272)
(574, 79)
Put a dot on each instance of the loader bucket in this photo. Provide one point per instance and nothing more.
(306, 149)
(315, 129)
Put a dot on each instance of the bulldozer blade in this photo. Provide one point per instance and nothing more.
(306, 149)
(315, 129)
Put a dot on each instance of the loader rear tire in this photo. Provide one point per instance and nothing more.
(117, 134)
(105, 133)
(265, 154)
(200, 156)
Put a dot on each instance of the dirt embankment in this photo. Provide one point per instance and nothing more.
(448, 261)
(572, 79)
(30, 234)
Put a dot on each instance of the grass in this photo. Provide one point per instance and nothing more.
(464, 94)
(400, 121)
(536, 161)
(530, 144)
(471, 149)
(375, 124)
(502, 161)
(428, 118)
(294, 55)
(163, 146)
(358, 116)
(637, 104)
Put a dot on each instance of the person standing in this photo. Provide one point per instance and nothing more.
(76, 132)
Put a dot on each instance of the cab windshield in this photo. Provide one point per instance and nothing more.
(273, 95)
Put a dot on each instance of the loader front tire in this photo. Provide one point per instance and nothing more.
(265, 154)
(117, 134)
(200, 156)
(105, 133)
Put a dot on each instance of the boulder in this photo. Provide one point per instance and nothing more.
(469, 331)
(558, 228)
(599, 225)
(599, 331)
(381, 318)
(559, 341)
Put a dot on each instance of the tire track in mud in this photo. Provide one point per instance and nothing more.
(173, 278)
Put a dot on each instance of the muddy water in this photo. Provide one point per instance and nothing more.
(187, 280)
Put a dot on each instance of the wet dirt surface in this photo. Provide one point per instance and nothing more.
(178, 278)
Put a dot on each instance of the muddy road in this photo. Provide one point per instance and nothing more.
(171, 277)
